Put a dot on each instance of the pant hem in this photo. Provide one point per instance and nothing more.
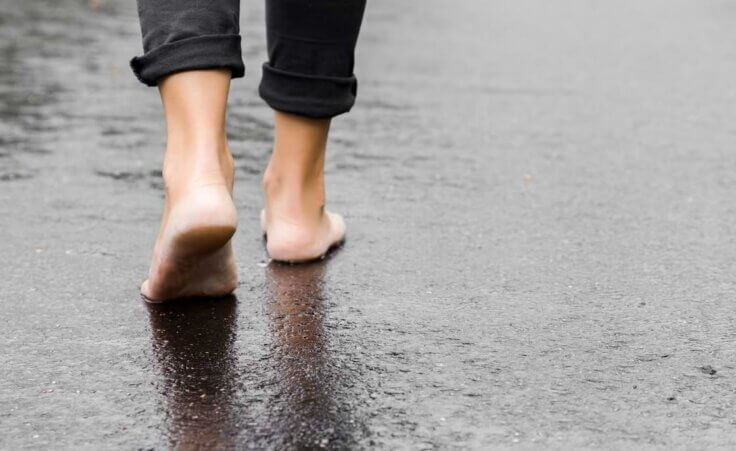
(307, 95)
(197, 53)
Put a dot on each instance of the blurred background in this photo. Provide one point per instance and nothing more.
(541, 252)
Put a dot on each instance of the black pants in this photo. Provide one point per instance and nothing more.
(311, 46)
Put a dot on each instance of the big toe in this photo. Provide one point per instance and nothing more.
(145, 289)
(337, 228)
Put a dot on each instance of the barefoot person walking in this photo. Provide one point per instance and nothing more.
(191, 52)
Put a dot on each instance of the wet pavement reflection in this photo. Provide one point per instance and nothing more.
(193, 344)
(306, 377)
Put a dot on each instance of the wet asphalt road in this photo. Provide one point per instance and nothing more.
(541, 250)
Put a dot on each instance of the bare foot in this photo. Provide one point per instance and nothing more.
(294, 239)
(295, 222)
(193, 256)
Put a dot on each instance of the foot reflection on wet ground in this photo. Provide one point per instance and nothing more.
(194, 343)
(306, 379)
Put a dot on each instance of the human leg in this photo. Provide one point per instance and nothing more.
(307, 81)
(192, 50)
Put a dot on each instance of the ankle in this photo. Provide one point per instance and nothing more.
(282, 171)
(290, 194)
(197, 165)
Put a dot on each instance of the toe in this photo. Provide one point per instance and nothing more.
(145, 290)
(337, 227)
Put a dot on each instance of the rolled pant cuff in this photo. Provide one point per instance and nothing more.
(197, 53)
(307, 95)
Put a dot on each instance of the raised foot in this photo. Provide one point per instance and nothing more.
(292, 242)
(193, 256)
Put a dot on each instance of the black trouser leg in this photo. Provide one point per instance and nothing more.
(311, 46)
(180, 35)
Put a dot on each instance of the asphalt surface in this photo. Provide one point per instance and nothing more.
(541, 239)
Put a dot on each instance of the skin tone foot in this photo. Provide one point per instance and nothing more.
(193, 255)
(295, 222)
